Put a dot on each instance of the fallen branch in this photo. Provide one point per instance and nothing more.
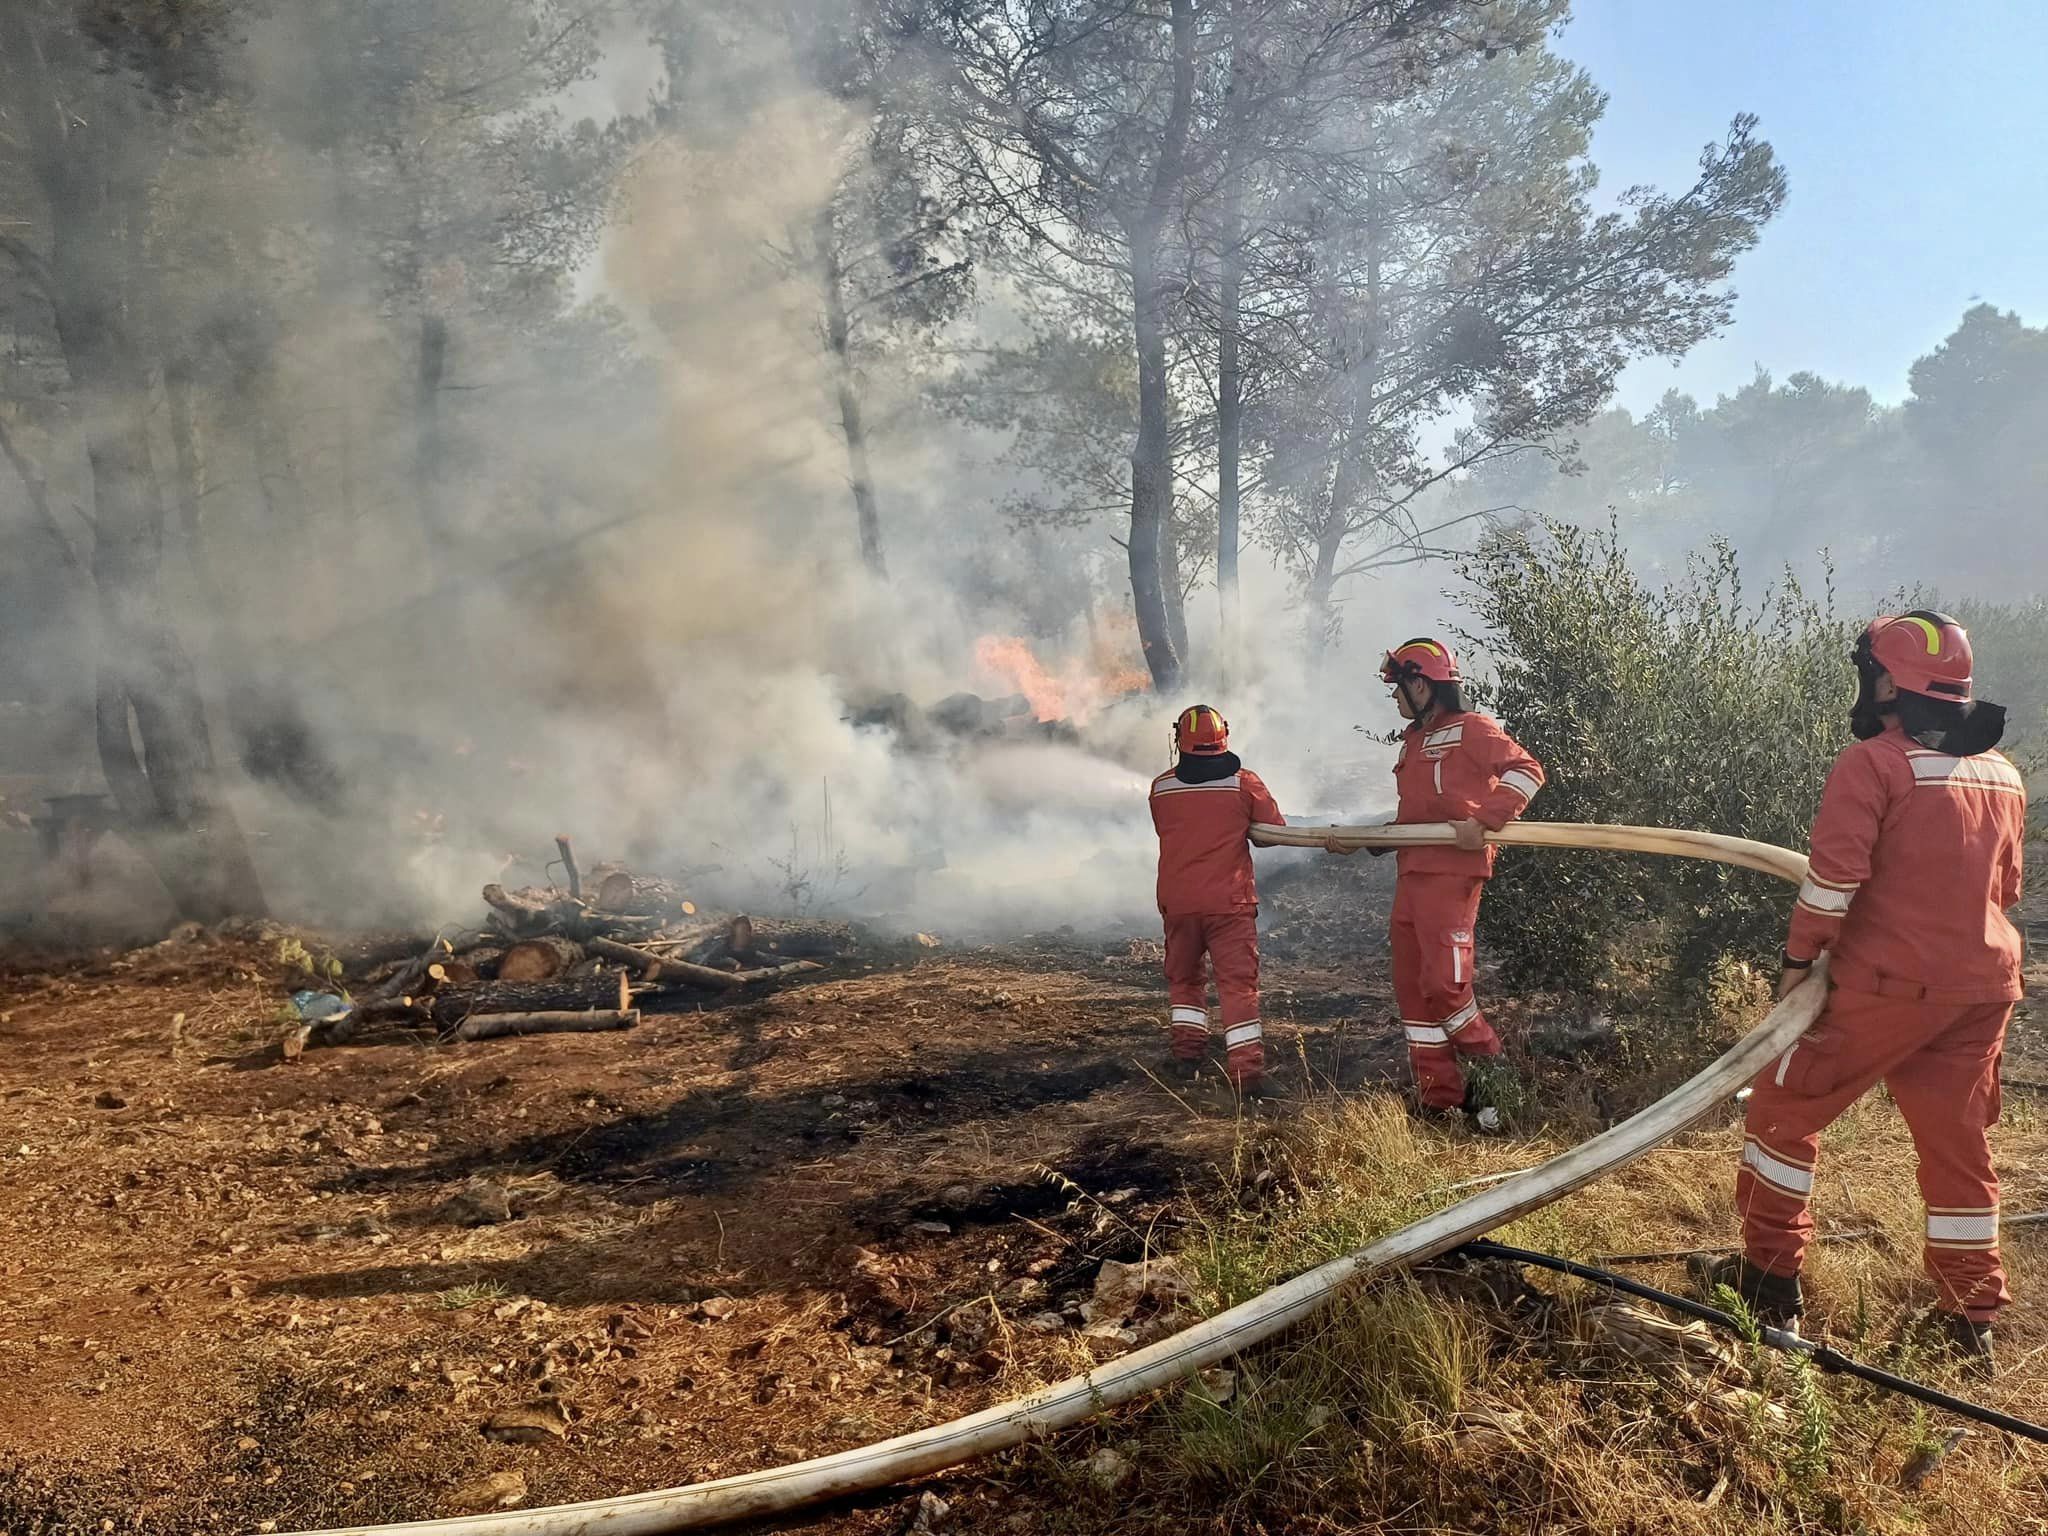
(407, 978)
(688, 940)
(569, 868)
(651, 966)
(699, 975)
(493, 1026)
(658, 967)
(769, 973)
(708, 976)
(521, 914)
(389, 1010)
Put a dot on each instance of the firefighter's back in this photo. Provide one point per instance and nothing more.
(1944, 869)
(1205, 862)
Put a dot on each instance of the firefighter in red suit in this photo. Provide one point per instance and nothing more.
(1203, 809)
(1916, 861)
(1456, 766)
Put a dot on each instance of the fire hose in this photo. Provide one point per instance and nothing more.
(1063, 1404)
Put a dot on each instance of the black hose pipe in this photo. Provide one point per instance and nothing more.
(1828, 1359)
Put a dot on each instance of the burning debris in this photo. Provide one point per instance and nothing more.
(1042, 705)
(958, 718)
(551, 961)
(1079, 689)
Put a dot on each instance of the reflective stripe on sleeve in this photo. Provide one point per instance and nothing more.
(1823, 899)
(1523, 784)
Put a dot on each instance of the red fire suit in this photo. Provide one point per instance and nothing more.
(1457, 768)
(1916, 859)
(1210, 902)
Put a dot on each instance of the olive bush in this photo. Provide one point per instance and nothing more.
(1683, 705)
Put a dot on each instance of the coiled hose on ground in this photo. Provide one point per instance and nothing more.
(1065, 1403)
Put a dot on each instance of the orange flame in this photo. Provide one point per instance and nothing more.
(1077, 692)
(1012, 661)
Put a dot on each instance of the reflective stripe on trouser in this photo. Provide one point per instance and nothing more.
(1433, 961)
(1231, 942)
(1941, 1063)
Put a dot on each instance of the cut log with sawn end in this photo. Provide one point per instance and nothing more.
(540, 958)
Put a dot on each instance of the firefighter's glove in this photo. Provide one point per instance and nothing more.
(1471, 836)
(1332, 844)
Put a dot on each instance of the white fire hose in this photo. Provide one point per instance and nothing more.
(1066, 1403)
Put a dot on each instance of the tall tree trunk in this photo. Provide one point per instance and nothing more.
(1176, 583)
(1320, 614)
(191, 838)
(1357, 469)
(95, 185)
(1229, 426)
(1151, 475)
(839, 338)
(191, 487)
(273, 739)
(1229, 340)
(277, 476)
(38, 490)
(430, 448)
(1151, 457)
(117, 757)
(438, 624)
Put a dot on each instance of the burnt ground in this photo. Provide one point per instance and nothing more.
(236, 1290)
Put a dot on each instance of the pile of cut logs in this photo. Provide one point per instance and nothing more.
(550, 961)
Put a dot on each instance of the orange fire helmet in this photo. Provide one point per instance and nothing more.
(1421, 657)
(1201, 732)
(1925, 653)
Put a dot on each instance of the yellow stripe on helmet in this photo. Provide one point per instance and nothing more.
(1930, 630)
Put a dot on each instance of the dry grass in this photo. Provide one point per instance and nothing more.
(1419, 1404)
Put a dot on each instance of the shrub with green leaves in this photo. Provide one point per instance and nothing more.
(2011, 645)
(1686, 705)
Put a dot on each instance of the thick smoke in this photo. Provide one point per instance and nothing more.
(647, 625)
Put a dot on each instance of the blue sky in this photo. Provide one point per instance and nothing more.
(1915, 135)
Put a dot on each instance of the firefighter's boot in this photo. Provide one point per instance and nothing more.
(1952, 1334)
(1773, 1300)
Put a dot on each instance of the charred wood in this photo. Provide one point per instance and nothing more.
(562, 994)
(493, 1026)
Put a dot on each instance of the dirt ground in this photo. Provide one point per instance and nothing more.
(395, 1281)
